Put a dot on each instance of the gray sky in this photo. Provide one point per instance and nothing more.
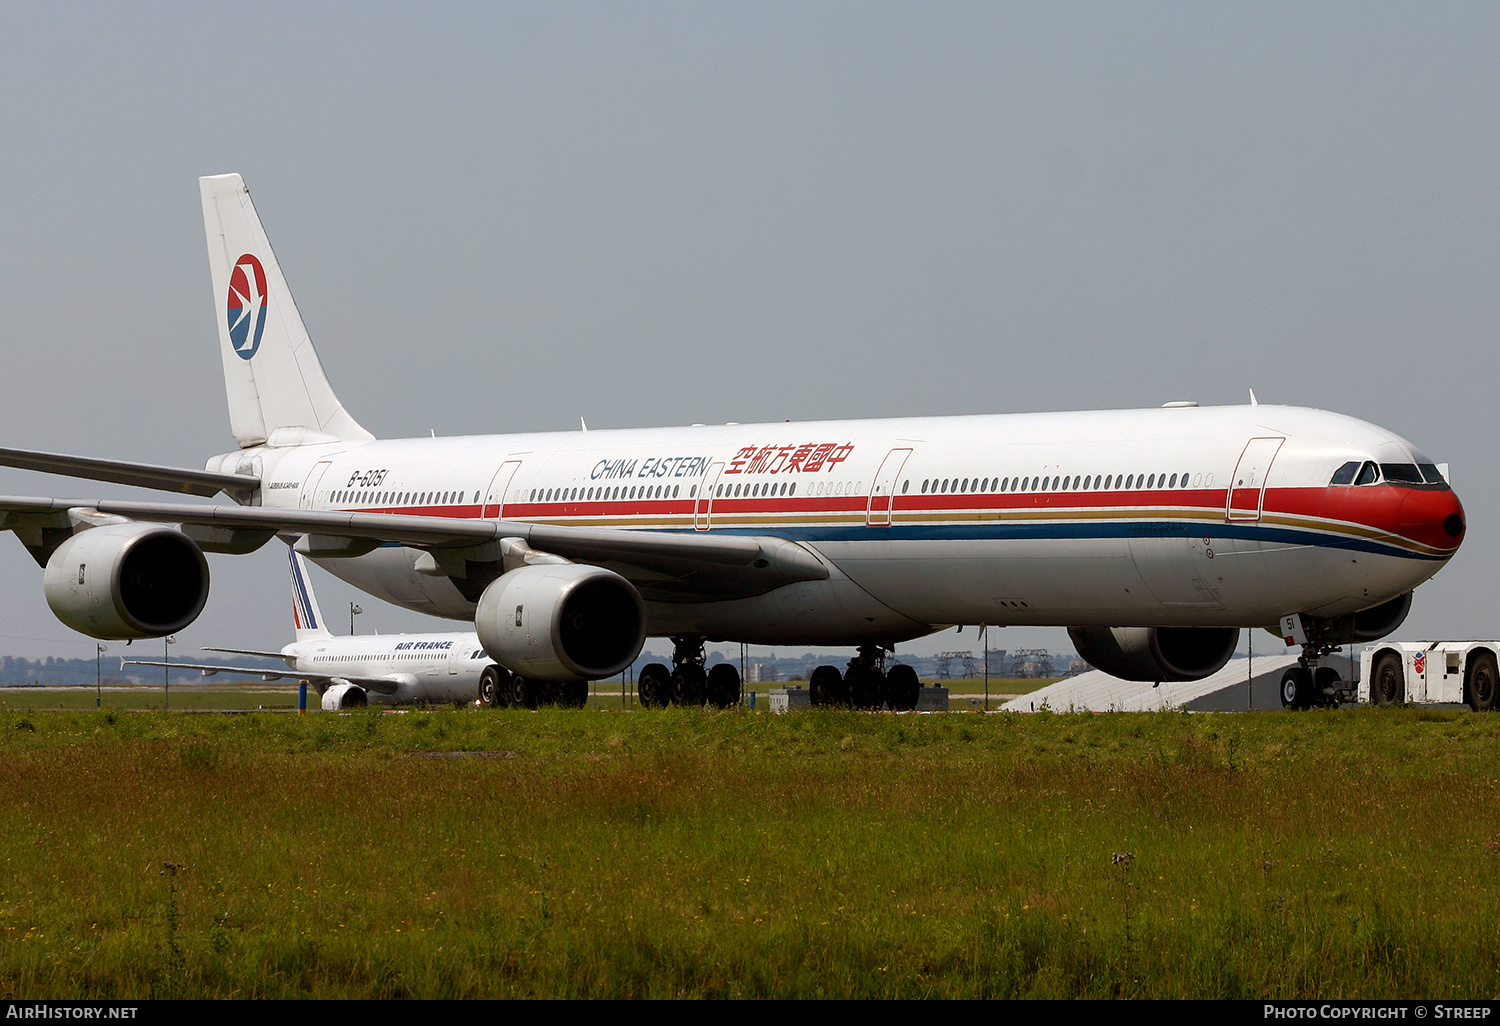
(499, 217)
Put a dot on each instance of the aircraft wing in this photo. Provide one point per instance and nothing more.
(682, 563)
(143, 475)
(384, 685)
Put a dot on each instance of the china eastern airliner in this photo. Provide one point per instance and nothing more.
(1153, 535)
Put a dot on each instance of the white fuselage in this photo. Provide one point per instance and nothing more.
(434, 668)
(1109, 518)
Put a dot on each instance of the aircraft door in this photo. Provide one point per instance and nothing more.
(883, 489)
(494, 496)
(1247, 487)
(309, 496)
(703, 509)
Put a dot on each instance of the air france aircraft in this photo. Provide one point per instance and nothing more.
(396, 669)
(1153, 535)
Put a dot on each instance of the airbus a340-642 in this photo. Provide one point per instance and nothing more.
(1153, 535)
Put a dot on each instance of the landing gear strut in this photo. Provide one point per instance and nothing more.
(1308, 684)
(688, 682)
(867, 683)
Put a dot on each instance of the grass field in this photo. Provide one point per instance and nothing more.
(262, 695)
(597, 853)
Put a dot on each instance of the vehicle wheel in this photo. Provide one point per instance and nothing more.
(904, 687)
(1296, 688)
(573, 694)
(1326, 682)
(688, 684)
(493, 689)
(827, 686)
(1387, 681)
(654, 688)
(1483, 680)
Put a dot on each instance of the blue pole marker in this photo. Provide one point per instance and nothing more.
(301, 697)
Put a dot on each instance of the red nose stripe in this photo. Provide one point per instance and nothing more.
(1428, 517)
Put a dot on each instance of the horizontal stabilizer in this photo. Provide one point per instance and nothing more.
(142, 475)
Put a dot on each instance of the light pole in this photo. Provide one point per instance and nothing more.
(100, 648)
(353, 610)
(166, 671)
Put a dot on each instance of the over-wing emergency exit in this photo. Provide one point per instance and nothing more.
(1153, 535)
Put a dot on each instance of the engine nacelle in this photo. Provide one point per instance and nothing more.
(344, 696)
(1374, 624)
(127, 581)
(561, 621)
(1156, 653)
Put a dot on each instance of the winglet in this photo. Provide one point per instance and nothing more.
(1253, 401)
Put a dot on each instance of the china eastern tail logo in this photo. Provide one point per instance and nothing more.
(247, 306)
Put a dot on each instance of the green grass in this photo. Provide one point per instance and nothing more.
(140, 696)
(606, 854)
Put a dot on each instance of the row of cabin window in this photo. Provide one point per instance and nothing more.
(400, 498)
(1052, 484)
(618, 492)
(1369, 472)
(659, 492)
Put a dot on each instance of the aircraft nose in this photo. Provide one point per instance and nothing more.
(1434, 518)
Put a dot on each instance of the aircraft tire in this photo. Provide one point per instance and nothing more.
(574, 694)
(525, 694)
(1296, 688)
(863, 686)
(724, 686)
(1387, 681)
(654, 688)
(1484, 678)
(903, 686)
(826, 686)
(689, 683)
(494, 692)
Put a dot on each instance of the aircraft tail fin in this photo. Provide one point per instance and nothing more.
(278, 393)
(306, 616)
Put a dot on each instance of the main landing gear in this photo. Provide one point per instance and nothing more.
(1308, 685)
(867, 683)
(688, 682)
(499, 688)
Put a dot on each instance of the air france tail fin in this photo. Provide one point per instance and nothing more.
(277, 390)
(306, 616)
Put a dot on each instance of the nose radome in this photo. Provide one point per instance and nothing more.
(1434, 518)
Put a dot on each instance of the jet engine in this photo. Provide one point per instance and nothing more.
(561, 621)
(345, 696)
(1156, 653)
(126, 581)
(1374, 624)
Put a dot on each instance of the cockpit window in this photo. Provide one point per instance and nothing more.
(1430, 473)
(1356, 473)
(1401, 473)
